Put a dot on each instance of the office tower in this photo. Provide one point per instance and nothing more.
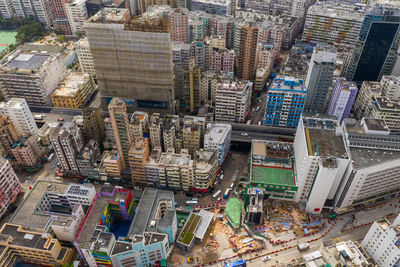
(218, 138)
(76, 14)
(381, 242)
(334, 23)
(84, 55)
(232, 100)
(179, 26)
(363, 103)
(218, 7)
(138, 154)
(94, 122)
(374, 169)
(247, 52)
(222, 60)
(342, 99)
(66, 143)
(391, 87)
(193, 130)
(74, 91)
(285, 102)
(61, 23)
(120, 126)
(319, 78)
(8, 134)
(377, 44)
(155, 129)
(9, 186)
(320, 161)
(32, 72)
(19, 113)
(148, 85)
(139, 124)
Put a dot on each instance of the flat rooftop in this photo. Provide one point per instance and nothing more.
(27, 61)
(25, 215)
(273, 176)
(206, 220)
(25, 237)
(113, 15)
(216, 132)
(188, 232)
(71, 84)
(175, 159)
(287, 83)
(367, 157)
(325, 143)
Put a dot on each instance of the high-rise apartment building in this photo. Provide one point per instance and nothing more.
(222, 59)
(19, 113)
(172, 135)
(247, 52)
(319, 78)
(120, 126)
(387, 110)
(139, 124)
(84, 55)
(265, 56)
(377, 43)
(138, 155)
(334, 23)
(218, 138)
(179, 26)
(9, 186)
(391, 87)
(363, 103)
(8, 134)
(32, 72)
(232, 100)
(26, 151)
(93, 121)
(285, 102)
(76, 14)
(215, 41)
(155, 129)
(193, 130)
(61, 23)
(217, 7)
(205, 169)
(143, 73)
(342, 99)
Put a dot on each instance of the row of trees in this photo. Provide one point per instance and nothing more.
(13, 23)
(30, 32)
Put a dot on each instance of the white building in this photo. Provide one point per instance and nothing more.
(218, 138)
(391, 87)
(321, 160)
(382, 242)
(232, 100)
(216, 7)
(76, 14)
(84, 55)
(9, 185)
(18, 111)
(65, 227)
(374, 169)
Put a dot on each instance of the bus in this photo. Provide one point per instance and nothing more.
(191, 202)
(226, 193)
(231, 186)
(241, 263)
(216, 194)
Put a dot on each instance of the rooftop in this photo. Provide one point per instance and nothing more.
(22, 236)
(182, 159)
(273, 176)
(233, 210)
(71, 84)
(287, 83)
(206, 220)
(338, 9)
(112, 15)
(188, 233)
(366, 157)
(216, 132)
(229, 85)
(386, 105)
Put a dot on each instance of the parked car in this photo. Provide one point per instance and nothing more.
(244, 134)
(266, 258)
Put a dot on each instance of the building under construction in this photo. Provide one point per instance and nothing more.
(132, 59)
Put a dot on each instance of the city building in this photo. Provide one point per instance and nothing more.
(9, 186)
(88, 158)
(76, 14)
(155, 129)
(247, 52)
(232, 100)
(176, 170)
(33, 246)
(179, 26)
(265, 56)
(120, 125)
(44, 132)
(8, 134)
(139, 124)
(382, 242)
(205, 170)
(112, 165)
(27, 151)
(298, 60)
(215, 41)
(109, 132)
(74, 91)
(391, 87)
(388, 110)
(145, 86)
(272, 168)
(151, 168)
(19, 113)
(255, 207)
(363, 103)
(220, 7)
(66, 143)
(377, 43)
(222, 59)
(285, 102)
(172, 134)
(320, 159)
(138, 154)
(218, 138)
(342, 98)
(334, 23)
(373, 172)
(93, 121)
(260, 80)
(319, 78)
(193, 130)
(84, 55)
(60, 22)
(32, 72)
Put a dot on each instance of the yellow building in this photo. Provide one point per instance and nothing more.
(138, 155)
(74, 91)
(32, 245)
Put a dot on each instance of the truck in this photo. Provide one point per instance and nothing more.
(39, 117)
(216, 194)
(226, 193)
(231, 186)
(50, 157)
(191, 202)
(303, 246)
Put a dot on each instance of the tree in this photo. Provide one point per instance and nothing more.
(30, 32)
